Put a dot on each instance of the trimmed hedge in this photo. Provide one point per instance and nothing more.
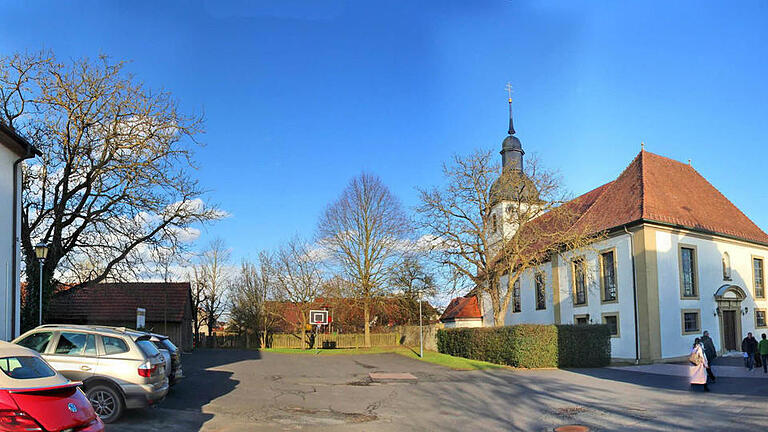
(530, 345)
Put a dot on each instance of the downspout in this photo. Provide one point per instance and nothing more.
(634, 293)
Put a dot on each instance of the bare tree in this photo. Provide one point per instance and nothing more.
(458, 219)
(215, 280)
(115, 172)
(413, 281)
(367, 232)
(299, 279)
(165, 257)
(197, 283)
(485, 223)
(253, 288)
(538, 221)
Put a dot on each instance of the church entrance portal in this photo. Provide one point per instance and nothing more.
(728, 298)
(730, 339)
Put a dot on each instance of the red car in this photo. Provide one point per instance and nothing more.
(34, 397)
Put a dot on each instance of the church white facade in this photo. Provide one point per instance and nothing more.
(652, 317)
(678, 259)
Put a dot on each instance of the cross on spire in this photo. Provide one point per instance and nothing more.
(511, 130)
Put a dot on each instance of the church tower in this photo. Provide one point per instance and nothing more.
(513, 192)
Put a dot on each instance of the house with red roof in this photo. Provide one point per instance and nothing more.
(678, 258)
(463, 312)
(167, 305)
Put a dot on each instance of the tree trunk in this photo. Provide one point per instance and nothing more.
(367, 318)
(303, 332)
(498, 318)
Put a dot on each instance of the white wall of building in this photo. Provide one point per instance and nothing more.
(710, 278)
(7, 158)
(464, 322)
(622, 347)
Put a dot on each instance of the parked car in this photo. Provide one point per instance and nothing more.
(163, 351)
(34, 397)
(164, 345)
(120, 369)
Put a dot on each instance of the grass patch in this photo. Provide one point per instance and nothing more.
(433, 357)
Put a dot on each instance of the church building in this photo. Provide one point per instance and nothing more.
(678, 258)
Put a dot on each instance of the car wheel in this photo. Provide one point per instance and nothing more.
(106, 401)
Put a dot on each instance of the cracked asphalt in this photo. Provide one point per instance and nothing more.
(237, 390)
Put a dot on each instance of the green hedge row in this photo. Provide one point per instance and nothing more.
(530, 345)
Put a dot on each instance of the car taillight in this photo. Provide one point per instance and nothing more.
(16, 421)
(147, 370)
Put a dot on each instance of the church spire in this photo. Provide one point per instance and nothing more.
(511, 149)
(511, 130)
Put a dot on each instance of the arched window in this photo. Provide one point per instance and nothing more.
(494, 223)
(726, 266)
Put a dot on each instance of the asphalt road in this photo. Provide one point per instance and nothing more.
(227, 390)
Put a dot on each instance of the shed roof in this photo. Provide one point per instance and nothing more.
(118, 302)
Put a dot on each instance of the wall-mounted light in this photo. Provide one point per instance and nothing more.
(746, 310)
(717, 311)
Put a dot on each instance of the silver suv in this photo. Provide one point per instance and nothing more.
(119, 368)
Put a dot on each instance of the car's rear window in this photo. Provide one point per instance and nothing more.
(148, 348)
(36, 341)
(169, 345)
(25, 367)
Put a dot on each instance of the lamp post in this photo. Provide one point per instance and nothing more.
(421, 332)
(41, 251)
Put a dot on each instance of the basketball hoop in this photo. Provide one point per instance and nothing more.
(318, 317)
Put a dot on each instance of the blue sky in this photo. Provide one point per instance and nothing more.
(299, 96)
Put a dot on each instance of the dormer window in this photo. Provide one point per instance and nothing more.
(726, 266)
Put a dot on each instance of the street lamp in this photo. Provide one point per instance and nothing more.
(41, 251)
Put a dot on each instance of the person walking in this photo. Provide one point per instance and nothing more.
(749, 348)
(762, 349)
(698, 366)
(710, 352)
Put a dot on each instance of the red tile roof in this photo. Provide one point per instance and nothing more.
(462, 307)
(107, 302)
(654, 188)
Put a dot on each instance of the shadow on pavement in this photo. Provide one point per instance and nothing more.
(199, 387)
(723, 385)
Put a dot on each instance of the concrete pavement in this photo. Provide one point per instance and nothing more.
(248, 390)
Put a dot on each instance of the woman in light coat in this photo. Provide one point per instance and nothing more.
(699, 367)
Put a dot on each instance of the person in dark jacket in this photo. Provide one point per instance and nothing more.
(749, 348)
(710, 352)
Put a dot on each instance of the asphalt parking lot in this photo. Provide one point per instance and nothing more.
(230, 390)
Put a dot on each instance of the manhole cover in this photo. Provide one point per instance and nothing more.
(572, 428)
(387, 376)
